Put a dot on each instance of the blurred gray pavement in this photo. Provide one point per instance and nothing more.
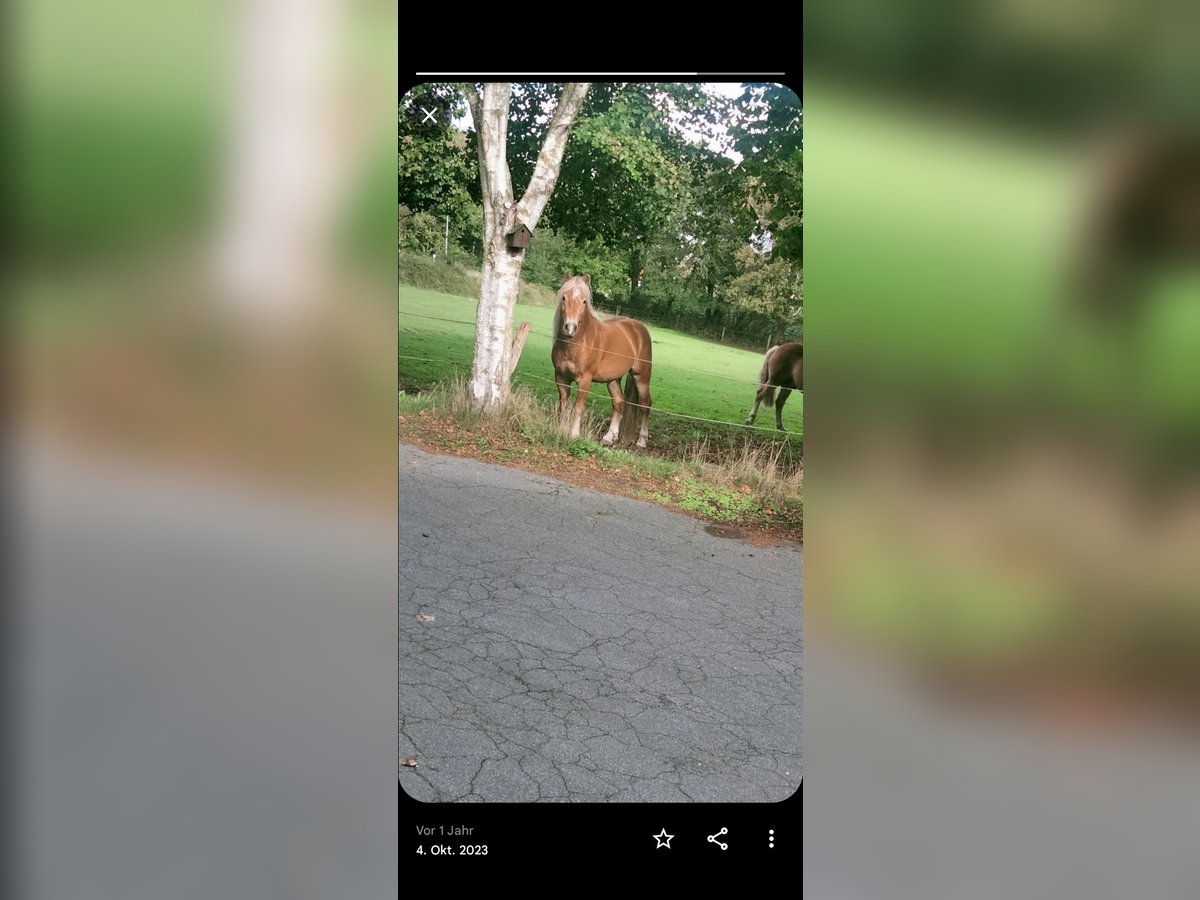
(913, 797)
(204, 693)
(587, 647)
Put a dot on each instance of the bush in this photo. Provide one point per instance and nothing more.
(536, 294)
(420, 233)
(462, 280)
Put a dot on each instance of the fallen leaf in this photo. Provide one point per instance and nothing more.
(744, 489)
(409, 761)
(424, 617)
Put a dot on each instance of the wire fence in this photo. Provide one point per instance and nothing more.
(657, 410)
(549, 335)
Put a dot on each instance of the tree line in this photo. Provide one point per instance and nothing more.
(685, 206)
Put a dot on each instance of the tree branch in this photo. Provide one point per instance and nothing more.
(495, 139)
(490, 114)
(475, 104)
(545, 173)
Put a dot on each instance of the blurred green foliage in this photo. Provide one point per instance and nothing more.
(120, 123)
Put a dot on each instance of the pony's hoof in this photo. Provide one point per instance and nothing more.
(641, 445)
(608, 440)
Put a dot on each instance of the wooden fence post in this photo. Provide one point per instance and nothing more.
(518, 345)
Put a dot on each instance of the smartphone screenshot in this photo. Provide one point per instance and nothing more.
(601, 428)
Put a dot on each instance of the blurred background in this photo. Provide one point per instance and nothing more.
(201, 448)
(1002, 671)
(1003, 325)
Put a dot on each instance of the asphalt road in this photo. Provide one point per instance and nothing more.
(586, 647)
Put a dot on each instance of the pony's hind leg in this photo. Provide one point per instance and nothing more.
(766, 394)
(618, 402)
(644, 401)
(754, 411)
(784, 393)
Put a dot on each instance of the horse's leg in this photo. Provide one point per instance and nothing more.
(581, 395)
(766, 394)
(754, 412)
(643, 386)
(784, 393)
(614, 390)
(564, 393)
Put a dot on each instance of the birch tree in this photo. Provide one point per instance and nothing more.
(492, 367)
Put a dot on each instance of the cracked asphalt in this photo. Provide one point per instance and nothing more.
(586, 647)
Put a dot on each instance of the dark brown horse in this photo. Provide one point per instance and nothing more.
(783, 368)
(588, 349)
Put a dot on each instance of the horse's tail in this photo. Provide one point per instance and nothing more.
(766, 390)
(766, 366)
(631, 421)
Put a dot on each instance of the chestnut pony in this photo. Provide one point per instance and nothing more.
(588, 349)
(783, 368)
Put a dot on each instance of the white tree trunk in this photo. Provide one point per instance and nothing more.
(501, 275)
(271, 254)
(493, 324)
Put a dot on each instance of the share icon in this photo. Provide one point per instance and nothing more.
(712, 839)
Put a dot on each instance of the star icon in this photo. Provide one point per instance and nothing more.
(664, 839)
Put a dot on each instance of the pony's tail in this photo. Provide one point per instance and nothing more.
(631, 420)
(766, 368)
(766, 390)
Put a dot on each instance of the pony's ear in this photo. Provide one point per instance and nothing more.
(566, 276)
(587, 279)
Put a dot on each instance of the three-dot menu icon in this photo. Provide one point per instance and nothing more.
(770, 838)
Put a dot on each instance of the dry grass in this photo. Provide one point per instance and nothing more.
(752, 483)
(754, 464)
(521, 412)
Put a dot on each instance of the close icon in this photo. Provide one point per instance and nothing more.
(712, 839)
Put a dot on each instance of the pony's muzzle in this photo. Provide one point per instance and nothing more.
(569, 328)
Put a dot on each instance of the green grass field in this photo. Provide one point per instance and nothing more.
(692, 377)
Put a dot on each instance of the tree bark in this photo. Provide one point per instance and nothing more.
(635, 269)
(501, 273)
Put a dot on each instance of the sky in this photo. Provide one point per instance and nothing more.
(724, 89)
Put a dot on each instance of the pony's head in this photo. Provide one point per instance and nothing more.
(574, 302)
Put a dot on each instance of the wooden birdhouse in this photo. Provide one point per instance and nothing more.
(518, 238)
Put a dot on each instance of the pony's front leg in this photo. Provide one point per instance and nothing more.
(564, 396)
(581, 395)
(614, 427)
